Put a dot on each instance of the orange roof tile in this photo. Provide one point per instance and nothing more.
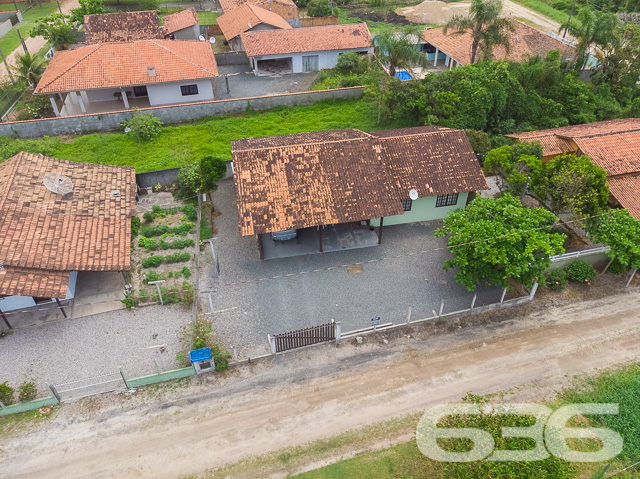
(122, 26)
(109, 65)
(616, 153)
(525, 42)
(228, 5)
(626, 189)
(311, 39)
(87, 229)
(247, 17)
(34, 282)
(177, 21)
(321, 178)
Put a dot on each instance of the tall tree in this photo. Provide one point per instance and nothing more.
(620, 59)
(29, 68)
(55, 29)
(621, 231)
(486, 27)
(87, 7)
(398, 50)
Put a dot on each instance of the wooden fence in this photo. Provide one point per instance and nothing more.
(303, 337)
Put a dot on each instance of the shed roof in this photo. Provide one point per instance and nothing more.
(228, 5)
(246, 17)
(122, 26)
(180, 20)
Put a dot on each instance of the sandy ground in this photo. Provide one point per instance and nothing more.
(439, 13)
(319, 392)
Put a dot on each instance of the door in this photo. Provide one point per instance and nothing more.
(140, 91)
(310, 63)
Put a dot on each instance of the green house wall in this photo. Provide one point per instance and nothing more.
(423, 209)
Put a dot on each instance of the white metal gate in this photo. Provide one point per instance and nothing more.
(73, 390)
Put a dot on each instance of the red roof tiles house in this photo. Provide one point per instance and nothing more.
(246, 17)
(311, 39)
(178, 21)
(122, 27)
(44, 236)
(124, 64)
(287, 9)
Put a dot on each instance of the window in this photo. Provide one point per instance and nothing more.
(189, 90)
(140, 91)
(406, 204)
(447, 200)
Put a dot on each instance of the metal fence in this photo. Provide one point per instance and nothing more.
(577, 254)
(72, 390)
(303, 337)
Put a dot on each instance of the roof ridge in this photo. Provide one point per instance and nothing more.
(418, 134)
(5, 194)
(180, 56)
(630, 130)
(97, 45)
(326, 142)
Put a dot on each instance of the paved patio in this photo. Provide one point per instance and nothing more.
(244, 85)
(404, 272)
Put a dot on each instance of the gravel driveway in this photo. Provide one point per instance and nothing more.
(385, 288)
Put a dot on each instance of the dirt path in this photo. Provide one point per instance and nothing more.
(320, 392)
(439, 13)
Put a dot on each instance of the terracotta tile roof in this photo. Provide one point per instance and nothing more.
(122, 27)
(109, 65)
(626, 189)
(177, 21)
(228, 5)
(303, 180)
(586, 129)
(88, 229)
(310, 39)
(34, 282)
(526, 41)
(247, 17)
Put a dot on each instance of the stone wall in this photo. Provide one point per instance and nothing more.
(5, 28)
(169, 114)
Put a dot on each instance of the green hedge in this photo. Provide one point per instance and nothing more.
(155, 260)
(159, 230)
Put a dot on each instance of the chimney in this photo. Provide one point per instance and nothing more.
(151, 71)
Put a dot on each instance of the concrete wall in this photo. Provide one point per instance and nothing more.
(169, 114)
(5, 28)
(423, 209)
(231, 58)
(325, 59)
(152, 178)
(15, 17)
(169, 93)
(190, 33)
(158, 378)
(28, 406)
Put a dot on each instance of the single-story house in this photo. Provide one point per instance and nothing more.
(248, 18)
(183, 25)
(58, 218)
(304, 49)
(117, 76)
(287, 9)
(525, 42)
(329, 178)
(613, 145)
(121, 27)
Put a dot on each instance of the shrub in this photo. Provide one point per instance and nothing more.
(152, 276)
(148, 217)
(176, 244)
(27, 392)
(199, 334)
(186, 297)
(580, 271)
(165, 295)
(190, 212)
(616, 267)
(159, 230)
(143, 127)
(186, 272)
(135, 226)
(152, 261)
(143, 296)
(556, 279)
(156, 209)
(6, 394)
(148, 243)
(173, 295)
(177, 257)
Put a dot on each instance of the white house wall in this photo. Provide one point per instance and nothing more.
(170, 93)
(326, 59)
(189, 33)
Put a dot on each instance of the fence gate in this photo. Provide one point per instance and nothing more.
(304, 337)
(72, 390)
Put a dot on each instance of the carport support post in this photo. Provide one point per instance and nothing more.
(260, 248)
(320, 237)
(61, 308)
(6, 321)
(504, 292)
(380, 231)
(473, 301)
(633, 273)
(272, 344)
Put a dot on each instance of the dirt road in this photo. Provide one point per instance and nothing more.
(320, 392)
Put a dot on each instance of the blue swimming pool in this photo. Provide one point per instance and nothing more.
(403, 75)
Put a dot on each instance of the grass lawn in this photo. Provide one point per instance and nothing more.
(208, 18)
(10, 41)
(406, 461)
(180, 144)
(545, 9)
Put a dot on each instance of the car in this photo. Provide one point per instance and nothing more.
(284, 235)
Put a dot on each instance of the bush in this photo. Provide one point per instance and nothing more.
(186, 272)
(148, 217)
(186, 297)
(190, 212)
(159, 230)
(143, 127)
(199, 334)
(177, 257)
(152, 276)
(135, 226)
(6, 394)
(27, 392)
(616, 267)
(148, 243)
(319, 8)
(176, 244)
(143, 296)
(152, 261)
(556, 279)
(580, 271)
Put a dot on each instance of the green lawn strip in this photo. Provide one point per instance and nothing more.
(177, 145)
(11, 41)
(208, 18)
(544, 9)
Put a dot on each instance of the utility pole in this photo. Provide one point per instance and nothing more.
(7, 65)
(24, 45)
(570, 15)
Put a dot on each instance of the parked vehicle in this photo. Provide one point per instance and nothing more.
(284, 235)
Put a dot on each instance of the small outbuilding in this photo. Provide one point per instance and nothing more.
(248, 18)
(183, 25)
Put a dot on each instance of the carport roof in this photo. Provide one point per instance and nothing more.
(321, 178)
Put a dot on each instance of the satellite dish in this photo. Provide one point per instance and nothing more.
(413, 194)
(201, 38)
(57, 183)
(212, 40)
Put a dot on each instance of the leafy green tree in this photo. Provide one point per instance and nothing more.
(149, 4)
(87, 7)
(620, 59)
(486, 27)
(397, 50)
(143, 127)
(56, 30)
(493, 241)
(319, 8)
(29, 68)
(202, 175)
(621, 231)
(516, 165)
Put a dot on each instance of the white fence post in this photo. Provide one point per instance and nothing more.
(272, 343)
(441, 307)
(473, 301)
(633, 273)
(504, 292)
(338, 330)
(409, 315)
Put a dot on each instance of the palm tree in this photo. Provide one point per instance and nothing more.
(486, 26)
(590, 28)
(398, 49)
(29, 68)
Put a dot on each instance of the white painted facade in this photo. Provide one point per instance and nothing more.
(189, 33)
(170, 93)
(11, 303)
(326, 59)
